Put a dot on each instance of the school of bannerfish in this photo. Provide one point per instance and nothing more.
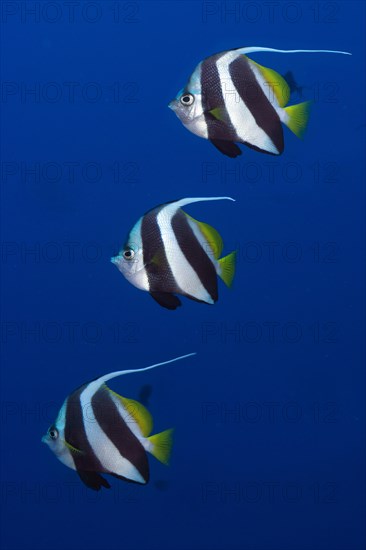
(228, 99)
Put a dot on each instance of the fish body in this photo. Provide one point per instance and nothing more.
(98, 431)
(231, 99)
(167, 253)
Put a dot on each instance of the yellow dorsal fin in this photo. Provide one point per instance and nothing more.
(212, 237)
(137, 412)
(277, 83)
(72, 449)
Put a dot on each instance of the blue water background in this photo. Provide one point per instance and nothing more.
(269, 449)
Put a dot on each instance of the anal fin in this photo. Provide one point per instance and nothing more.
(167, 300)
(93, 480)
(228, 148)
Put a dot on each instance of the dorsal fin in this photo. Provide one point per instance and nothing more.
(278, 84)
(183, 202)
(211, 235)
(171, 208)
(100, 381)
(253, 49)
(137, 412)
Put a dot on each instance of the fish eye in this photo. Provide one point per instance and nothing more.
(187, 99)
(128, 254)
(53, 433)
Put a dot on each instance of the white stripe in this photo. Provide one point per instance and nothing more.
(269, 92)
(106, 452)
(183, 273)
(267, 87)
(127, 417)
(131, 423)
(207, 246)
(240, 116)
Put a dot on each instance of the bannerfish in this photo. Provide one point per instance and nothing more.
(231, 99)
(167, 253)
(98, 431)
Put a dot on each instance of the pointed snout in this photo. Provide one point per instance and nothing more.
(172, 104)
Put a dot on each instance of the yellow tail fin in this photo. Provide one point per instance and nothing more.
(227, 265)
(298, 117)
(162, 445)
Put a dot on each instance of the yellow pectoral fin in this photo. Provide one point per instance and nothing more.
(138, 413)
(72, 449)
(157, 259)
(219, 113)
(276, 82)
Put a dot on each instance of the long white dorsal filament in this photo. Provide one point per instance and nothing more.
(107, 377)
(252, 49)
(184, 202)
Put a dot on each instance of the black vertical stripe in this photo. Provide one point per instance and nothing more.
(195, 255)
(75, 434)
(115, 428)
(159, 274)
(212, 98)
(255, 99)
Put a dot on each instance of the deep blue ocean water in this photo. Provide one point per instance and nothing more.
(269, 448)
